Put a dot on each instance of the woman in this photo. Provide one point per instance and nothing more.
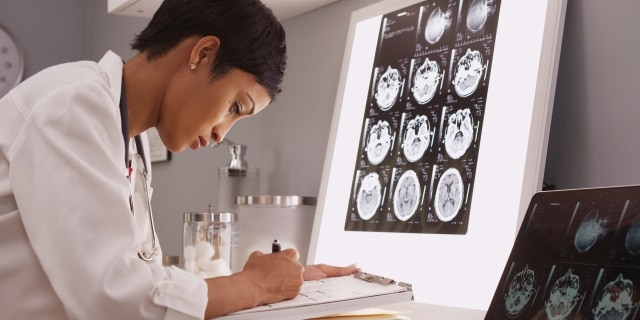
(74, 229)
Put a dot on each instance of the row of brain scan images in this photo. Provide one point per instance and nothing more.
(419, 135)
(567, 296)
(429, 78)
(474, 21)
(408, 193)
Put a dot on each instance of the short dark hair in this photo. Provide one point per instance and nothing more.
(251, 38)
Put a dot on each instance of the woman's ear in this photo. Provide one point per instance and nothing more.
(205, 51)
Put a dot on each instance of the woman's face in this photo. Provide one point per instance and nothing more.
(195, 109)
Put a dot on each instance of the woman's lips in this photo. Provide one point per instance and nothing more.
(200, 142)
(203, 142)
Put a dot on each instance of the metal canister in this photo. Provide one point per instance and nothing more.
(264, 218)
(210, 243)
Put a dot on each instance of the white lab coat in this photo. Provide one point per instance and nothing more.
(68, 239)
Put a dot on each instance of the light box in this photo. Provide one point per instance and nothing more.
(438, 141)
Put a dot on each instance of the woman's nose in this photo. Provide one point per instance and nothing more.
(218, 135)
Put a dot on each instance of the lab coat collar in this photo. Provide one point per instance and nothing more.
(111, 65)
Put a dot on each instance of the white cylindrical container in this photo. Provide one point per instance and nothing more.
(210, 243)
(262, 219)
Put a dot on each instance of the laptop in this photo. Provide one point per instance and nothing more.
(576, 256)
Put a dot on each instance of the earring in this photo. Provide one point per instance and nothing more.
(192, 66)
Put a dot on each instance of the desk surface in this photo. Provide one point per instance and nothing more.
(423, 311)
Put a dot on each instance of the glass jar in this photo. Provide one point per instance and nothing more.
(210, 243)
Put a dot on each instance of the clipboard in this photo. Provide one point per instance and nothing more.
(329, 296)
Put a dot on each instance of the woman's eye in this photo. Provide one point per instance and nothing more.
(236, 108)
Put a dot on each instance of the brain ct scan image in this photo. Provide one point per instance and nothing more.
(437, 23)
(617, 300)
(591, 229)
(426, 81)
(449, 195)
(417, 138)
(388, 88)
(468, 73)
(632, 239)
(479, 11)
(521, 290)
(565, 296)
(378, 142)
(407, 195)
(369, 196)
(459, 133)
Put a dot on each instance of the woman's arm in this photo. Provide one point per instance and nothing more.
(266, 278)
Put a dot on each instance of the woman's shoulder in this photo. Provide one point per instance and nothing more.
(59, 76)
(64, 86)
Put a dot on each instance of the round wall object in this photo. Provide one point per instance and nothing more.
(11, 61)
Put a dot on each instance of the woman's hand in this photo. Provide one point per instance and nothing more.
(265, 278)
(321, 271)
(278, 274)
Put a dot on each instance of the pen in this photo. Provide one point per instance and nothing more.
(275, 246)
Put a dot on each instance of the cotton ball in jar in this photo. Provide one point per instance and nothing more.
(220, 267)
(214, 268)
(204, 249)
(204, 264)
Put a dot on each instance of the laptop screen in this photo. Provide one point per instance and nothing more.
(576, 256)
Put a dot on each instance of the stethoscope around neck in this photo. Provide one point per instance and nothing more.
(144, 254)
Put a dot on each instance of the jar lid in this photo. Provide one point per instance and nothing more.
(291, 200)
(210, 217)
(170, 260)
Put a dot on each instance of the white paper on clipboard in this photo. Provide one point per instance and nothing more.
(328, 296)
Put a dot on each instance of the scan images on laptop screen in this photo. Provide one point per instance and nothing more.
(423, 118)
(576, 256)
